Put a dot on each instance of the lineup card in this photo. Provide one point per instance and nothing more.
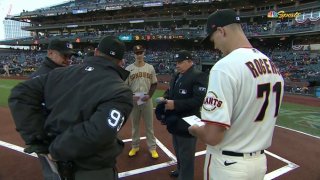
(140, 95)
(193, 120)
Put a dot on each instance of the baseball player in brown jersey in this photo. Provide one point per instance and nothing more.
(143, 82)
(241, 106)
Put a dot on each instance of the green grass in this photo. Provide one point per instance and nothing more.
(300, 117)
(157, 93)
(5, 86)
(295, 116)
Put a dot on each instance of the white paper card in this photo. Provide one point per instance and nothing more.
(140, 95)
(193, 120)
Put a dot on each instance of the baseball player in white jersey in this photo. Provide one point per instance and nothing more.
(143, 82)
(241, 106)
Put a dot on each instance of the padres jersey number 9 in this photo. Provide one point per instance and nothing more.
(265, 88)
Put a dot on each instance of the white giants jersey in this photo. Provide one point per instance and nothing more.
(244, 95)
(141, 78)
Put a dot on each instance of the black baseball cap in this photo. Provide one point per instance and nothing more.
(220, 18)
(112, 47)
(63, 47)
(138, 48)
(182, 55)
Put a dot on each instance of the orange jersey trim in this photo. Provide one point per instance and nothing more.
(217, 123)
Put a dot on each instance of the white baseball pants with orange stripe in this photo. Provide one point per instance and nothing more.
(224, 167)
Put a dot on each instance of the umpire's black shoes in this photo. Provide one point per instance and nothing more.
(174, 174)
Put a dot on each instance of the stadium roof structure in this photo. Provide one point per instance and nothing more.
(83, 20)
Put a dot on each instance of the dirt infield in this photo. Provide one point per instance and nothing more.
(298, 148)
(14, 77)
(305, 100)
(165, 79)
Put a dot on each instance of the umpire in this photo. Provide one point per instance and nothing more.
(184, 98)
(58, 55)
(87, 105)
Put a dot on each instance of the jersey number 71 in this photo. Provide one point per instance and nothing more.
(266, 88)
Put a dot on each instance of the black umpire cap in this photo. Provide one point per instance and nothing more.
(182, 55)
(112, 46)
(63, 47)
(220, 18)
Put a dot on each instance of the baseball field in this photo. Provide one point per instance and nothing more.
(294, 116)
(293, 154)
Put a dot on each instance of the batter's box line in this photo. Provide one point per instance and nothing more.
(276, 173)
(283, 170)
(122, 174)
(16, 148)
(153, 167)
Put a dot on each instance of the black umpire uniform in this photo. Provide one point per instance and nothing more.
(188, 91)
(87, 105)
(48, 64)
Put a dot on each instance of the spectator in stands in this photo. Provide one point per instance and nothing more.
(58, 55)
(6, 70)
(90, 53)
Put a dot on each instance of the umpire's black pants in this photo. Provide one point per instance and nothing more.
(185, 148)
(101, 174)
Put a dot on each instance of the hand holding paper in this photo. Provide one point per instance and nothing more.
(140, 98)
(145, 98)
(193, 120)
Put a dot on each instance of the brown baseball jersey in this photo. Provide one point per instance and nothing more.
(141, 78)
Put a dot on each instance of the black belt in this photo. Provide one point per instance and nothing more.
(230, 153)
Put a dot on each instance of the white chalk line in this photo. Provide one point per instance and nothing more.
(271, 175)
(298, 131)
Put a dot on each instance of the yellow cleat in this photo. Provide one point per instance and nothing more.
(133, 152)
(154, 154)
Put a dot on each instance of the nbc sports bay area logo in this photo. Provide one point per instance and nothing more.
(211, 102)
(282, 14)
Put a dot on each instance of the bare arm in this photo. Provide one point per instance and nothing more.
(210, 134)
(153, 88)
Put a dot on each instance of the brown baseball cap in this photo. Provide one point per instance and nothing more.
(138, 48)
(220, 18)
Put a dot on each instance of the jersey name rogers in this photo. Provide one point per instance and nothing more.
(244, 95)
(261, 67)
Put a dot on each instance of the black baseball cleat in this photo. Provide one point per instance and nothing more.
(174, 174)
